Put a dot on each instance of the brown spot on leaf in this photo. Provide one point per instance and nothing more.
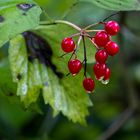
(25, 6)
(19, 76)
(1, 18)
(24, 14)
(39, 48)
(11, 94)
(46, 84)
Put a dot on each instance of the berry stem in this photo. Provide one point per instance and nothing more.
(93, 43)
(88, 31)
(84, 33)
(61, 22)
(111, 16)
(63, 55)
(78, 42)
(85, 56)
(77, 46)
(93, 25)
(74, 35)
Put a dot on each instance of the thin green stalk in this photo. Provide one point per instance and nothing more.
(61, 22)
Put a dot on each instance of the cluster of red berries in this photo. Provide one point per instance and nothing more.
(105, 47)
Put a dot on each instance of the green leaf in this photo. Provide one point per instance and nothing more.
(19, 63)
(25, 74)
(67, 94)
(15, 20)
(72, 102)
(117, 5)
(8, 87)
(34, 83)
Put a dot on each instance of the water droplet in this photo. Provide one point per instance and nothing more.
(25, 6)
(105, 82)
(99, 79)
(74, 74)
(24, 89)
(1, 18)
(88, 91)
(46, 84)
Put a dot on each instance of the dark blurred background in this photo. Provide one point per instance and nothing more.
(116, 111)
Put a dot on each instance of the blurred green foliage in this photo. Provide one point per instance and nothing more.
(110, 101)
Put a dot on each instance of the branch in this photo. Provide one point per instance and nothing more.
(117, 124)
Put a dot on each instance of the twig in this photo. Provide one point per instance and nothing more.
(77, 46)
(116, 125)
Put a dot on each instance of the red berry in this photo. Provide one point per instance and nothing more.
(74, 66)
(112, 27)
(101, 38)
(101, 56)
(99, 70)
(88, 84)
(112, 48)
(68, 45)
(107, 74)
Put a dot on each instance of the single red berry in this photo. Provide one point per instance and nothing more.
(101, 56)
(107, 74)
(99, 70)
(74, 66)
(101, 38)
(112, 48)
(112, 27)
(88, 84)
(67, 45)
